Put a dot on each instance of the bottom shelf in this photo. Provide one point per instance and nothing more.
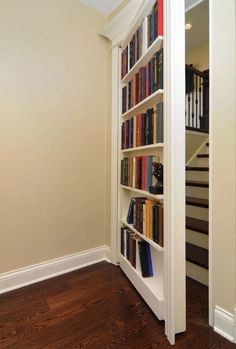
(151, 289)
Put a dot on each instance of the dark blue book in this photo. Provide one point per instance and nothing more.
(143, 258)
(150, 269)
(149, 172)
(130, 215)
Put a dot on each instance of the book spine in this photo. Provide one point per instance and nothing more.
(151, 220)
(134, 169)
(130, 215)
(149, 172)
(160, 70)
(160, 123)
(160, 18)
(134, 213)
(149, 258)
(161, 226)
(155, 223)
(144, 167)
(144, 218)
(143, 258)
(145, 35)
(155, 125)
(133, 253)
(134, 131)
(147, 218)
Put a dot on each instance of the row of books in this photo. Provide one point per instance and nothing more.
(137, 172)
(136, 47)
(146, 216)
(155, 22)
(136, 250)
(143, 129)
(132, 53)
(148, 80)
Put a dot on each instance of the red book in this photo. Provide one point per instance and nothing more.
(147, 80)
(144, 165)
(160, 18)
(140, 86)
(134, 90)
(136, 172)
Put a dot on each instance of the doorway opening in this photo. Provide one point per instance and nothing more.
(197, 160)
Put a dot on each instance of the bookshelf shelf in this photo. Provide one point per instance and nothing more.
(145, 147)
(144, 104)
(144, 193)
(152, 243)
(155, 47)
(150, 288)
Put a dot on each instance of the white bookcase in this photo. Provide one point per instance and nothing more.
(162, 292)
(150, 288)
(165, 292)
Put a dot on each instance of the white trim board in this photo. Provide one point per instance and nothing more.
(225, 323)
(38, 272)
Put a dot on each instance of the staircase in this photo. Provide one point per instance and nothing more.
(197, 184)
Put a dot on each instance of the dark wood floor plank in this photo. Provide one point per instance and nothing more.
(97, 308)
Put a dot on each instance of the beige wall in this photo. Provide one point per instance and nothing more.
(199, 57)
(223, 153)
(53, 131)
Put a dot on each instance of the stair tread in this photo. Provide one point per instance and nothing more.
(200, 168)
(197, 255)
(200, 130)
(197, 202)
(203, 155)
(197, 225)
(202, 184)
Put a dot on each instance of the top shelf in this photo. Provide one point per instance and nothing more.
(156, 46)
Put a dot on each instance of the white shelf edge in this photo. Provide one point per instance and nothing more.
(146, 57)
(151, 242)
(144, 147)
(154, 300)
(142, 192)
(155, 97)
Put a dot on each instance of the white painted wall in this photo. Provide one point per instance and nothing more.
(223, 154)
(53, 131)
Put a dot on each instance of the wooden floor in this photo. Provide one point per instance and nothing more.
(97, 308)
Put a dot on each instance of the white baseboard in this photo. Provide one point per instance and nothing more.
(26, 276)
(225, 324)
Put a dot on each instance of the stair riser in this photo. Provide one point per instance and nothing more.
(197, 176)
(197, 212)
(197, 192)
(197, 239)
(202, 162)
(197, 273)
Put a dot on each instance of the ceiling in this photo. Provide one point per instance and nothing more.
(103, 6)
(198, 16)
